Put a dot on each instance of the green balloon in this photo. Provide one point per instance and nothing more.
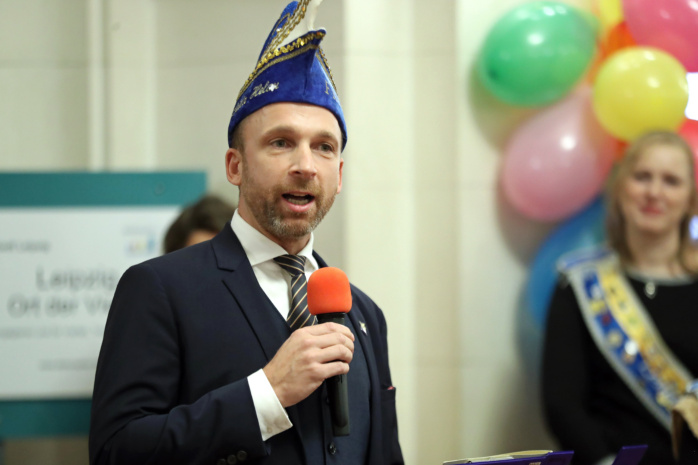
(536, 53)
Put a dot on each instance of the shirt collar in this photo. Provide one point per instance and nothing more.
(259, 248)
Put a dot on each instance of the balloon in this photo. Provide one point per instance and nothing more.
(610, 13)
(557, 161)
(535, 54)
(584, 230)
(671, 25)
(640, 89)
(621, 147)
(617, 38)
(689, 131)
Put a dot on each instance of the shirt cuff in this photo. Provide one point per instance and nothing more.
(271, 415)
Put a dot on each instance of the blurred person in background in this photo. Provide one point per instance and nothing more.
(620, 346)
(198, 222)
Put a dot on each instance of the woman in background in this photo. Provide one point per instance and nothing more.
(198, 222)
(620, 344)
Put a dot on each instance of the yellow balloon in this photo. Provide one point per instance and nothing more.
(639, 89)
(610, 14)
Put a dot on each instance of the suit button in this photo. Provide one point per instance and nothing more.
(221, 462)
(242, 456)
(232, 460)
(332, 448)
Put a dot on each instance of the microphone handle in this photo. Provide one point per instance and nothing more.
(337, 388)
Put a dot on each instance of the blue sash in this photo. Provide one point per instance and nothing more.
(623, 331)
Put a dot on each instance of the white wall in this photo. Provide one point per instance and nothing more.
(421, 225)
(42, 84)
(500, 409)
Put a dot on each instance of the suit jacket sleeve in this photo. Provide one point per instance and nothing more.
(137, 416)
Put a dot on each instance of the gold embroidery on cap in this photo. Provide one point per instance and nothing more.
(326, 65)
(291, 22)
(294, 49)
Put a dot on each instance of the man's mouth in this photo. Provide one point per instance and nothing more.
(299, 199)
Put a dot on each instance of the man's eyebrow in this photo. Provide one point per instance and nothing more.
(328, 135)
(284, 129)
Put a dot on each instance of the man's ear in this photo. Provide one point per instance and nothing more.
(341, 167)
(233, 166)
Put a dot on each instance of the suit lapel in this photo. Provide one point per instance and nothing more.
(258, 310)
(251, 299)
(357, 319)
(375, 443)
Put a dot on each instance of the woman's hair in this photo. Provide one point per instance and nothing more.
(615, 222)
(209, 214)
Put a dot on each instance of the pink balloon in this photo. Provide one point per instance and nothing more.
(671, 25)
(558, 160)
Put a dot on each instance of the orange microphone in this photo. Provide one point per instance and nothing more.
(329, 299)
(329, 292)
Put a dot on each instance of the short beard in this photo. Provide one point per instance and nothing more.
(278, 228)
(270, 218)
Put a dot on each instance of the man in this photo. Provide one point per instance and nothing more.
(207, 358)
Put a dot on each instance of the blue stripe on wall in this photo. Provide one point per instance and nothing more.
(28, 419)
(83, 189)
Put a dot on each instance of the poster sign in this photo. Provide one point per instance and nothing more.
(61, 256)
(60, 267)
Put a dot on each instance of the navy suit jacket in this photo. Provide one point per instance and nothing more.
(183, 333)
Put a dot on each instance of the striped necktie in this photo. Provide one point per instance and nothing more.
(298, 315)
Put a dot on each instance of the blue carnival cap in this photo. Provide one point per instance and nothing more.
(290, 68)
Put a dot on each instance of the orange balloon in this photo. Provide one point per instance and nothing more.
(618, 38)
(689, 131)
(620, 147)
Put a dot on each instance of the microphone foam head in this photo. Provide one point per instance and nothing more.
(329, 291)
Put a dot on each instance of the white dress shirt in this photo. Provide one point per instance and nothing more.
(275, 283)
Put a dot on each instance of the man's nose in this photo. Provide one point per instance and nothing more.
(304, 162)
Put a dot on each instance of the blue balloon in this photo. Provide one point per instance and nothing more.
(584, 230)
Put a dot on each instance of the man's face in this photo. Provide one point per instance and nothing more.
(289, 171)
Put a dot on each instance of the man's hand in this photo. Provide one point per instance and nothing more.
(307, 358)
